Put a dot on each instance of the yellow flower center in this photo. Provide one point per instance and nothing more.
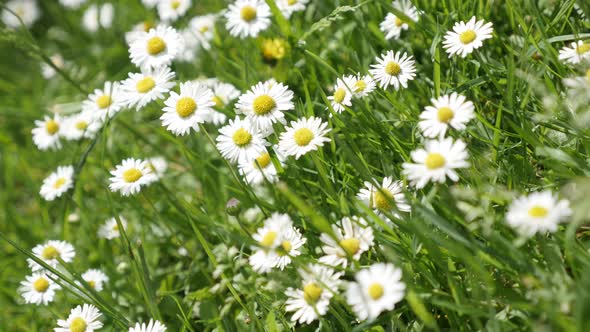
(291, 2)
(145, 84)
(268, 239)
(445, 114)
(58, 183)
(263, 104)
(218, 102)
(467, 37)
(360, 85)
(40, 285)
(376, 291)
(52, 127)
(50, 252)
(203, 29)
(538, 211)
(435, 160)
(156, 45)
(78, 325)
(583, 49)
(382, 199)
(185, 106)
(248, 13)
(286, 248)
(303, 136)
(115, 227)
(263, 161)
(339, 95)
(312, 293)
(175, 4)
(92, 283)
(392, 68)
(81, 125)
(398, 22)
(104, 101)
(242, 137)
(147, 25)
(132, 175)
(351, 246)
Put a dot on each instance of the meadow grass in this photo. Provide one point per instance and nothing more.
(463, 266)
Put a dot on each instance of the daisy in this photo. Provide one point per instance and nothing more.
(353, 238)
(467, 37)
(438, 160)
(259, 169)
(106, 102)
(291, 242)
(265, 103)
(49, 252)
(156, 48)
(447, 111)
(98, 17)
(95, 279)
(319, 283)
(303, 136)
(394, 69)
(171, 10)
(82, 124)
(137, 31)
(576, 53)
(392, 26)
(246, 18)
(130, 176)
(38, 288)
(377, 289)
(342, 94)
(26, 10)
(539, 212)
(110, 229)
(158, 166)
(223, 95)
(275, 240)
(189, 108)
(288, 7)
(238, 141)
(387, 198)
(152, 326)
(83, 318)
(202, 28)
(57, 183)
(142, 88)
(362, 85)
(46, 133)
(72, 4)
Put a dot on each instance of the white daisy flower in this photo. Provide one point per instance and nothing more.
(319, 285)
(202, 28)
(57, 183)
(152, 326)
(539, 212)
(98, 17)
(303, 136)
(362, 85)
(95, 279)
(238, 141)
(26, 10)
(110, 229)
(277, 240)
(291, 242)
(342, 94)
(156, 48)
(72, 4)
(377, 289)
(452, 110)
(38, 289)
(466, 37)
(189, 108)
(353, 238)
(392, 26)
(388, 198)
(137, 31)
(576, 53)
(260, 169)
(106, 102)
(83, 318)
(394, 69)
(265, 103)
(142, 88)
(49, 252)
(47, 132)
(130, 176)
(246, 18)
(47, 71)
(288, 7)
(82, 124)
(438, 160)
(223, 95)
(158, 166)
(171, 10)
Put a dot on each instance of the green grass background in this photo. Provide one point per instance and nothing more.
(464, 268)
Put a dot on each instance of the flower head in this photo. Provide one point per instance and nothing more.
(47, 132)
(352, 238)
(142, 88)
(185, 111)
(265, 103)
(452, 110)
(38, 288)
(539, 212)
(247, 18)
(303, 136)
(83, 318)
(393, 26)
(239, 141)
(156, 48)
(467, 37)
(49, 252)
(577, 52)
(394, 68)
(132, 174)
(57, 183)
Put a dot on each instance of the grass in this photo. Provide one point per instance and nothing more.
(464, 268)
